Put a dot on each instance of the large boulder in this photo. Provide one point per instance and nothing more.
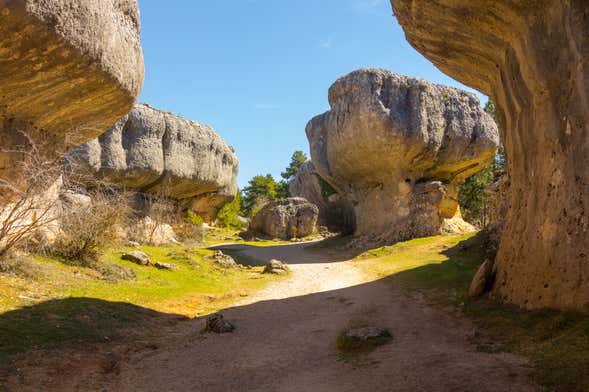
(398, 148)
(530, 57)
(69, 70)
(334, 210)
(156, 152)
(293, 217)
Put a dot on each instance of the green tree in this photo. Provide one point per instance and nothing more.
(282, 190)
(472, 196)
(228, 216)
(296, 161)
(260, 190)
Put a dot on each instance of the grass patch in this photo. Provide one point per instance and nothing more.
(441, 268)
(65, 303)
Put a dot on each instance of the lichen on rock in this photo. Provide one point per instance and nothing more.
(397, 148)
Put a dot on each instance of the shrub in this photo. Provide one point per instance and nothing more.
(88, 229)
(228, 216)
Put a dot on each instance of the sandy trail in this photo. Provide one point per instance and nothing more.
(285, 341)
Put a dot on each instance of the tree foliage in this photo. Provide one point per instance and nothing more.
(260, 189)
(228, 216)
(472, 197)
(296, 161)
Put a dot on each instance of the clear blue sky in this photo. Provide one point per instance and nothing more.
(258, 70)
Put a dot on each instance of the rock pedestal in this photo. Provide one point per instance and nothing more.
(530, 57)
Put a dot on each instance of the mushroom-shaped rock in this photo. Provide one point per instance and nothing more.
(69, 70)
(334, 211)
(530, 57)
(397, 148)
(293, 217)
(157, 152)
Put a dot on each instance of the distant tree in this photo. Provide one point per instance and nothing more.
(282, 190)
(472, 197)
(296, 161)
(260, 189)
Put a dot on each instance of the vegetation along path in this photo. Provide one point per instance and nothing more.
(285, 338)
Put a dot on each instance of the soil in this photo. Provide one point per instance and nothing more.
(285, 340)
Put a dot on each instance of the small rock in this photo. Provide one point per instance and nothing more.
(224, 260)
(134, 244)
(216, 323)
(482, 280)
(367, 333)
(165, 266)
(276, 267)
(137, 257)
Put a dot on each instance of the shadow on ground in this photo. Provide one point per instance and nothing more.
(286, 344)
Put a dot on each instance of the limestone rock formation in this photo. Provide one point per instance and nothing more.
(397, 148)
(334, 211)
(290, 218)
(157, 152)
(530, 57)
(69, 70)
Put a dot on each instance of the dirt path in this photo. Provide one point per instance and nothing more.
(285, 341)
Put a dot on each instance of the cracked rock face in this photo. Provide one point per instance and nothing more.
(530, 57)
(157, 152)
(293, 217)
(397, 149)
(69, 70)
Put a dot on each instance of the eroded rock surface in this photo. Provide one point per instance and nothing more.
(334, 211)
(69, 70)
(397, 149)
(293, 217)
(530, 57)
(157, 152)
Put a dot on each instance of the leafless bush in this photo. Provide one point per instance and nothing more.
(90, 226)
(27, 207)
(161, 211)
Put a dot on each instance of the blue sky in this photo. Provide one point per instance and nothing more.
(258, 70)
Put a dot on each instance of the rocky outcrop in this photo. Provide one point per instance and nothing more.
(290, 218)
(69, 71)
(157, 152)
(530, 57)
(397, 149)
(334, 211)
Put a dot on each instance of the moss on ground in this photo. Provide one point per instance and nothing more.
(46, 303)
(441, 268)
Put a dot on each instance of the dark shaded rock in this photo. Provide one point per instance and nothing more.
(483, 280)
(216, 323)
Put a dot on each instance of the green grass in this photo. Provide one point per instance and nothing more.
(441, 268)
(63, 303)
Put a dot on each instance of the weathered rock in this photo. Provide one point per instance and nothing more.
(497, 195)
(216, 323)
(483, 280)
(157, 152)
(276, 267)
(397, 149)
(165, 266)
(137, 257)
(334, 211)
(293, 217)
(530, 58)
(69, 71)
(224, 260)
(363, 339)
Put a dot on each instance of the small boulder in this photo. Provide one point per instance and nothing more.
(216, 323)
(137, 257)
(224, 260)
(276, 267)
(363, 339)
(134, 244)
(482, 280)
(165, 266)
(293, 217)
